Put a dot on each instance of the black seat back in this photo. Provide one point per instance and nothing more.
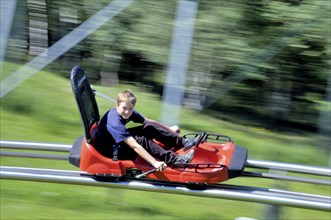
(85, 99)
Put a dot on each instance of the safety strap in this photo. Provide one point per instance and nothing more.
(115, 151)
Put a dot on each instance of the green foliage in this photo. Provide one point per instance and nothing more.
(267, 58)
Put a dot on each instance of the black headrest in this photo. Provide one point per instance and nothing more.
(85, 99)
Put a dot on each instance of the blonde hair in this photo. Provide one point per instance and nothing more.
(126, 95)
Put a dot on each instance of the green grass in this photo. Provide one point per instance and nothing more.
(43, 109)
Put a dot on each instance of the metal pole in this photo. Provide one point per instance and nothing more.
(7, 12)
(178, 61)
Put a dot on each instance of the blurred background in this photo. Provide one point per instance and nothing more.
(259, 64)
(267, 62)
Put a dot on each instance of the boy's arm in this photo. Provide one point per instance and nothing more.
(174, 128)
(160, 165)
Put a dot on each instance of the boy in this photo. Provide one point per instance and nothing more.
(135, 141)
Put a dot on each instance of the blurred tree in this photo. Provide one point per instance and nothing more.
(300, 65)
(17, 48)
(268, 60)
(38, 28)
(287, 79)
(142, 34)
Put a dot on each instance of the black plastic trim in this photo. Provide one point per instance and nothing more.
(74, 154)
(238, 162)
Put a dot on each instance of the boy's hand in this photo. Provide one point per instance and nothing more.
(160, 166)
(175, 129)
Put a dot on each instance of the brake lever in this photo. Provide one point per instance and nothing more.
(146, 173)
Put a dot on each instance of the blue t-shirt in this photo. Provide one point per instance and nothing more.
(116, 124)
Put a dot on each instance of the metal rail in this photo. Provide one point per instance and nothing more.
(35, 146)
(287, 178)
(289, 167)
(241, 193)
(34, 155)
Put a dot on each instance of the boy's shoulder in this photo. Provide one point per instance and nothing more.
(113, 110)
(113, 113)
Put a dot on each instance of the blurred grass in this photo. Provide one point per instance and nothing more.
(43, 109)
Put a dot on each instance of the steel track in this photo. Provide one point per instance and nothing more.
(242, 193)
(221, 191)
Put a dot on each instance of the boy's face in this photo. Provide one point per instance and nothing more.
(125, 109)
